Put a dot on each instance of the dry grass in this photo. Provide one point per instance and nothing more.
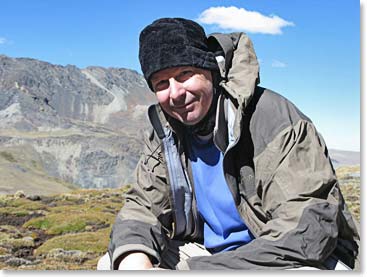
(80, 222)
(95, 242)
(61, 232)
(350, 185)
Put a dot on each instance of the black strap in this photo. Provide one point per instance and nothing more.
(155, 121)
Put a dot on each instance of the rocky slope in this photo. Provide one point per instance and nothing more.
(61, 126)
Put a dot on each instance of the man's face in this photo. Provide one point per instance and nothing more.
(184, 92)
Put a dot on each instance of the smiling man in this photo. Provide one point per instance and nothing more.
(233, 176)
(185, 93)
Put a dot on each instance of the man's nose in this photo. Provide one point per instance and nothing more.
(177, 90)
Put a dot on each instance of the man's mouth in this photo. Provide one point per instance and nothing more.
(183, 107)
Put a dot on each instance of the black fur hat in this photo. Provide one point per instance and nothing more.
(170, 42)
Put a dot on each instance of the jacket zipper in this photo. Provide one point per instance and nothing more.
(194, 211)
(225, 177)
(248, 224)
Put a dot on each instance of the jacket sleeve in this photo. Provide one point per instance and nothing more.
(137, 227)
(299, 192)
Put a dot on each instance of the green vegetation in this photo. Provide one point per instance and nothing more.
(349, 179)
(71, 231)
(95, 242)
(21, 203)
(8, 156)
(20, 207)
(60, 232)
(69, 221)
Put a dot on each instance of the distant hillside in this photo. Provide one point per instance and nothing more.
(21, 169)
(63, 126)
(344, 158)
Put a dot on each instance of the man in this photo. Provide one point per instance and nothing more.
(233, 176)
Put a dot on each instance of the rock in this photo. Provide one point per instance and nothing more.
(52, 205)
(34, 197)
(29, 240)
(89, 228)
(20, 243)
(3, 251)
(30, 265)
(16, 262)
(23, 252)
(5, 257)
(85, 120)
(19, 194)
(72, 256)
(38, 213)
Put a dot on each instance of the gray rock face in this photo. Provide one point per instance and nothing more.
(76, 126)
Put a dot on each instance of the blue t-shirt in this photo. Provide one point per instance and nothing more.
(223, 227)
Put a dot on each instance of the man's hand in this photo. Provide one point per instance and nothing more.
(135, 261)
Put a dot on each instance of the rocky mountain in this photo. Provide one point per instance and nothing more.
(63, 127)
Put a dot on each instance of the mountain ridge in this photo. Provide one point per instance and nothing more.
(83, 125)
(341, 158)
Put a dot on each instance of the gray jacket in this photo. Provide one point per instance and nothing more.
(276, 166)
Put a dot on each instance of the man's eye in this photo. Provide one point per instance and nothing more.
(184, 75)
(161, 85)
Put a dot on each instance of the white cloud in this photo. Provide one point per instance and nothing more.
(3, 40)
(240, 19)
(278, 64)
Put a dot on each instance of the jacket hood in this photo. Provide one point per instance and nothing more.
(238, 65)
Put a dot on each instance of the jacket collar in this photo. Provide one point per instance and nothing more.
(163, 123)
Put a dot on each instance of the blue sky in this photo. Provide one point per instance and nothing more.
(309, 51)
